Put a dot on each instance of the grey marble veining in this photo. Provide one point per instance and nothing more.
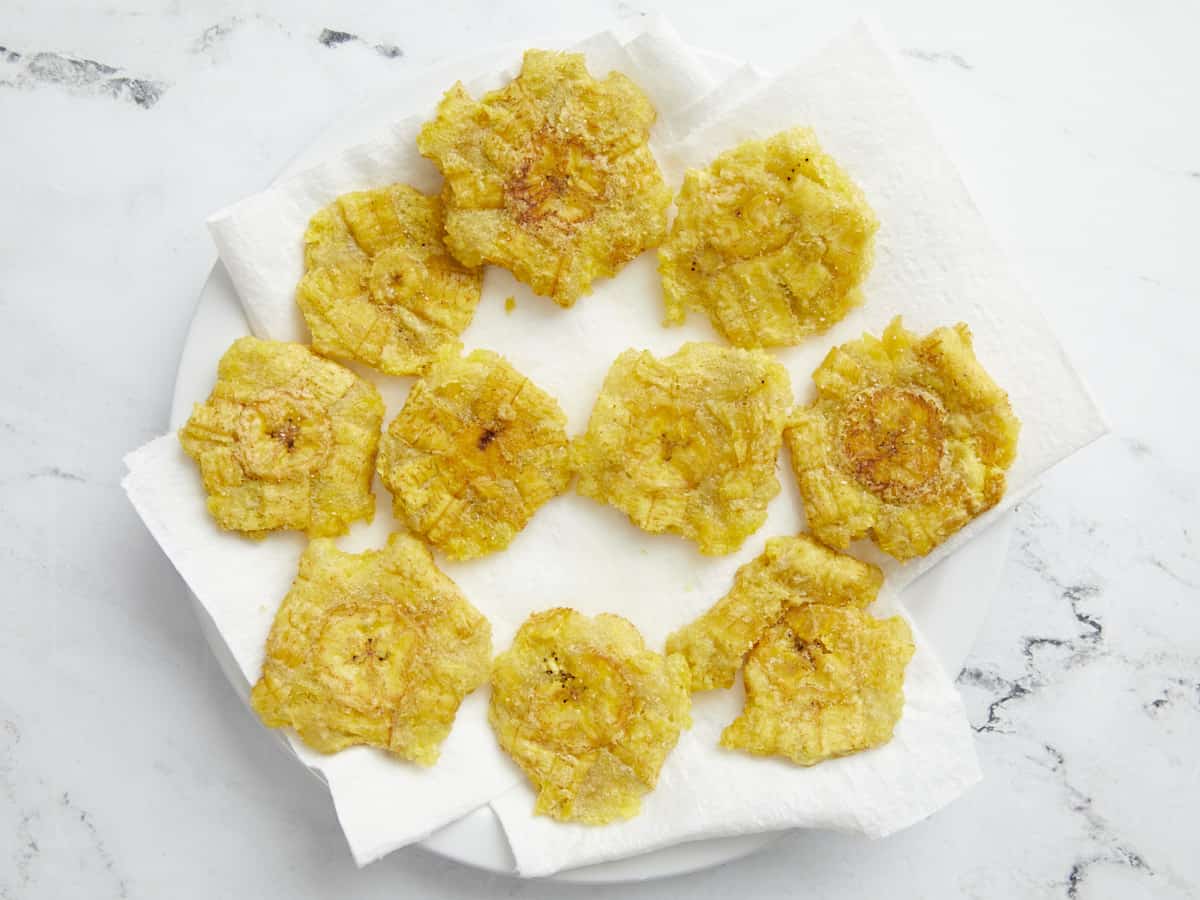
(128, 768)
(79, 75)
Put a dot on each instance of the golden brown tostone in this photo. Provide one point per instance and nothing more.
(551, 176)
(772, 241)
(688, 444)
(378, 648)
(825, 681)
(475, 451)
(286, 440)
(380, 285)
(588, 713)
(907, 441)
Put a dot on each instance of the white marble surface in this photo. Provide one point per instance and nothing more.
(128, 768)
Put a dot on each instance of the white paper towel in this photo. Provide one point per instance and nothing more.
(935, 264)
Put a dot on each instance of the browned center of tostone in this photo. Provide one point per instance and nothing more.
(557, 184)
(287, 433)
(893, 440)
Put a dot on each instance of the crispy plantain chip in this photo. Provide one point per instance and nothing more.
(907, 441)
(588, 713)
(286, 440)
(791, 571)
(378, 648)
(772, 241)
(380, 286)
(475, 451)
(688, 444)
(824, 681)
(551, 176)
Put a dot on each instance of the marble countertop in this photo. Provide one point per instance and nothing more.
(128, 767)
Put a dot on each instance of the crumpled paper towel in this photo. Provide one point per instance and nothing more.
(935, 264)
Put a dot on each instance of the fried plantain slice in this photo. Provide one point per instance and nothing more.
(379, 285)
(791, 571)
(588, 713)
(772, 240)
(377, 648)
(475, 451)
(688, 444)
(907, 441)
(551, 176)
(286, 440)
(825, 681)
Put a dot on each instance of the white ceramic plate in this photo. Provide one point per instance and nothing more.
(947, 603)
